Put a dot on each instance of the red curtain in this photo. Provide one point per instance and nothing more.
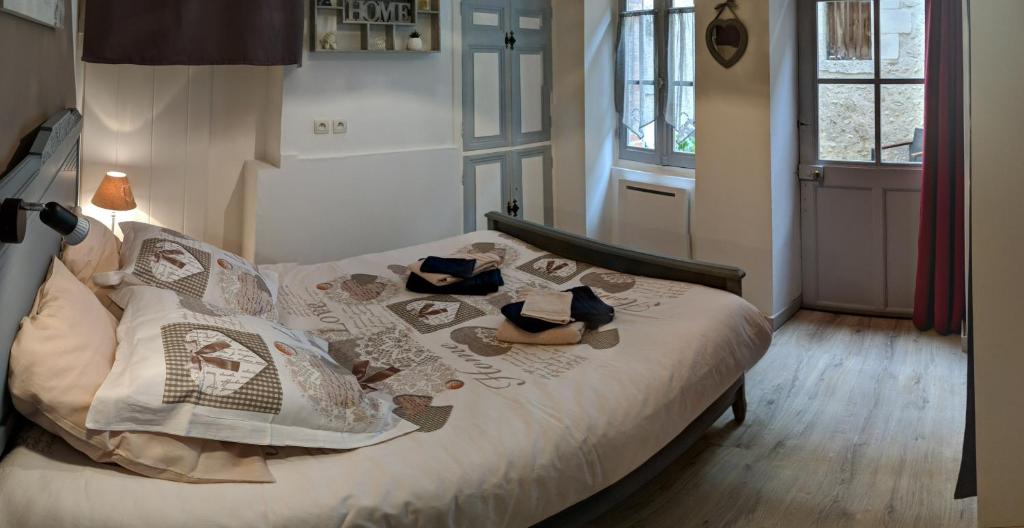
(939, 300)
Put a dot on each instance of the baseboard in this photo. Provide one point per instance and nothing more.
(786, 313)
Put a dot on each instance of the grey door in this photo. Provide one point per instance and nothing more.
(519, 179)
(485, 98)
(530, 64)
(506, 109)
(861, 131)
(486, 186)
(531, 184)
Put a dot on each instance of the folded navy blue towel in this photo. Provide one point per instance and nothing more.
(456, 267)
(587, 308)
(483, 284)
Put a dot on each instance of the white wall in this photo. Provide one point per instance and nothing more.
(183, 135)
(601, 121)
(786, 248)
(746, 210)
(583, 121)
(321, 210)
(569, 183)
(393, 180)
(392, 102)
(746, 204)
(732, 214)
(997, 246)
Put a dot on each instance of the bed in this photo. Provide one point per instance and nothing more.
(513, 435)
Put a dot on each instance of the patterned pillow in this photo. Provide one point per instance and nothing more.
(183, 369)
(164, 258)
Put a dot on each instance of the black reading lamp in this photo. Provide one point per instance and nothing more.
(14, 218)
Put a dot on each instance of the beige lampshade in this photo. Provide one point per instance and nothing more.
(115, 193)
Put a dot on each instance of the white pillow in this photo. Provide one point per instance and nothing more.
(164, 258)
(181, 369)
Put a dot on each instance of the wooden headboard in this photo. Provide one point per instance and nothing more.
(49, 173)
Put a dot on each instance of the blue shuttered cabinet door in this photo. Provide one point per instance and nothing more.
(506, 108)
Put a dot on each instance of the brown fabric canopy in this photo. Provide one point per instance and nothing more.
(193, 32)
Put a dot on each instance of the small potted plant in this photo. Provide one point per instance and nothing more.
(415, 42)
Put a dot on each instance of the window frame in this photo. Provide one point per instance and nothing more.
(810, 83)
(663, 153)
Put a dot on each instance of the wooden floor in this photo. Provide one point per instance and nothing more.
(852, 422)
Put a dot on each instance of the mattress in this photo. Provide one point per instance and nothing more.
(509, 435)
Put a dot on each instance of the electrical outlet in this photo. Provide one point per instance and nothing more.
(340, 126)
(321, 126)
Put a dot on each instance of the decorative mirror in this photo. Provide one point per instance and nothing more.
(726, 37)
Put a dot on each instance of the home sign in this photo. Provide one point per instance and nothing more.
(393, 12)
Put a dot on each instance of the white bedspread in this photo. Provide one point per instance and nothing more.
(516, 433)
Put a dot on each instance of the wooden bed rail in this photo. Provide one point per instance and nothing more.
(587, 250)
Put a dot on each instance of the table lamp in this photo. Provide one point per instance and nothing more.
(114, 194)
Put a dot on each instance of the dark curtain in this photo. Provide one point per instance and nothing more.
(939, 299)
(967, 483)
(194, 32)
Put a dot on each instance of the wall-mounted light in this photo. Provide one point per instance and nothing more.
(114, 194)
(14, 218)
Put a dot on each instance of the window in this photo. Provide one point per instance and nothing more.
(656, 82)
(867, 83)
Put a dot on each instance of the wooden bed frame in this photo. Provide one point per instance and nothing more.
(50, 172)
(635, 263)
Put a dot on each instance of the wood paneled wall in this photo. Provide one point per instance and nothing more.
(183, 134)
(36, 81)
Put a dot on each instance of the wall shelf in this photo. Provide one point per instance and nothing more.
(374, 37)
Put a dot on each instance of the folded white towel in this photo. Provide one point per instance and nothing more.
(549, 305)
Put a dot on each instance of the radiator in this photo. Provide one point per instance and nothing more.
(653, 218)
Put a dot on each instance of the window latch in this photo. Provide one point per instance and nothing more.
(811, 173)
(510, 40)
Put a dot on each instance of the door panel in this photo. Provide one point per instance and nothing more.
(484, 75)
(531, 69)
(844, 238)
(531, 89)
(532, 171)
(530, 22)
(531, 184)
(901, 227)
(488, 92)
(486, 18)
(859, 232)
(488, 193)
(485, 181)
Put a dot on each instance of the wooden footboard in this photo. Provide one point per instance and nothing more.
(616, 258)
(633, 262)
(583, 513)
